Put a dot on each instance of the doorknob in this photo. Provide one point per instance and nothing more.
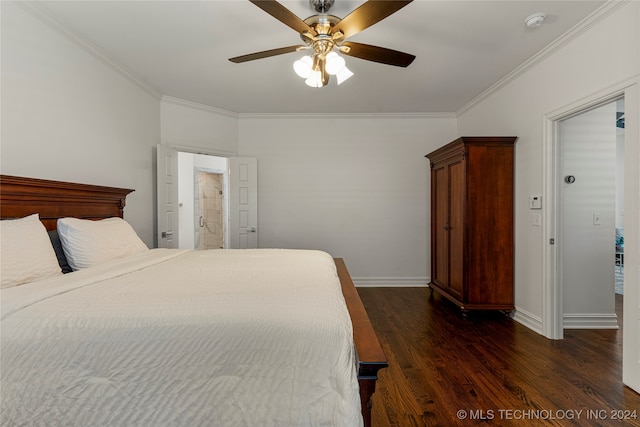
(252, 230)
(166, 234)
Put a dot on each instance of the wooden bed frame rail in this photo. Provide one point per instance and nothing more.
(370, 356)
(20, 197)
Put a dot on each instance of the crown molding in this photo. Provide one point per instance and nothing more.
(590, 21)
(209, 109)
(196, 106)
(45, 16)
(346, 115)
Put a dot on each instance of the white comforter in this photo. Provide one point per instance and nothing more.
(182, 338)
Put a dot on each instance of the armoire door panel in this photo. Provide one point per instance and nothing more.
(491, 222)
(439, 273)
(455, 227)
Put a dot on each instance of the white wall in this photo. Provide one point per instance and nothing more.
(354, 186)
(198, 128)
(67, 115)
(603, 55)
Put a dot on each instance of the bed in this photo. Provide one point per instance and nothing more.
(173, 337)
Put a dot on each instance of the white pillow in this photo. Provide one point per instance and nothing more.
(87, 243)
(26, 253)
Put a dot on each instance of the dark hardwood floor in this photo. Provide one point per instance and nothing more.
(445, 370)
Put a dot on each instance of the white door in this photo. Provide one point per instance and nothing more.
(167, 195)
(243, 201)
(631, 310)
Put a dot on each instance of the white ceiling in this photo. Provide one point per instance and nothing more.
(181, 48)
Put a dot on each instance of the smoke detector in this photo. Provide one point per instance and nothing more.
(535, 20)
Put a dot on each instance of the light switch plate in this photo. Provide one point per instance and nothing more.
(536, 219)
(535, 201)
(597, 218)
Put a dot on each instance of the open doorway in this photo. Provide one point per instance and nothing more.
(178, 219)
(552, 320)
(210, 224)
(588, 216)
(202, 201)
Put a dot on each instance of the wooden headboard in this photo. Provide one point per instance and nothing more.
(20, 197)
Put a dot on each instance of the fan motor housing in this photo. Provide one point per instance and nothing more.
(321, 23)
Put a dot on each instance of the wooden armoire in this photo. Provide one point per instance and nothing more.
(472, 228)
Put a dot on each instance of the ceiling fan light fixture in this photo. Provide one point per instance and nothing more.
(343, 75)
(302, 66)
(335, 63)
(325, 33)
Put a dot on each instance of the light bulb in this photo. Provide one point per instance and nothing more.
(335, 63)
(302, 66)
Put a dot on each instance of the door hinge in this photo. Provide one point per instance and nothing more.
(552, 241)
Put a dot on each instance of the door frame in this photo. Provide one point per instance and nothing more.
(552, 313)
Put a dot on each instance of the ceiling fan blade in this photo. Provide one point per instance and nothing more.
(368, 14)
(378, 54)
(284, 15)
(266, 54)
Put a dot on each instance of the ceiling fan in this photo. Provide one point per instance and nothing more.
(325, 34)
